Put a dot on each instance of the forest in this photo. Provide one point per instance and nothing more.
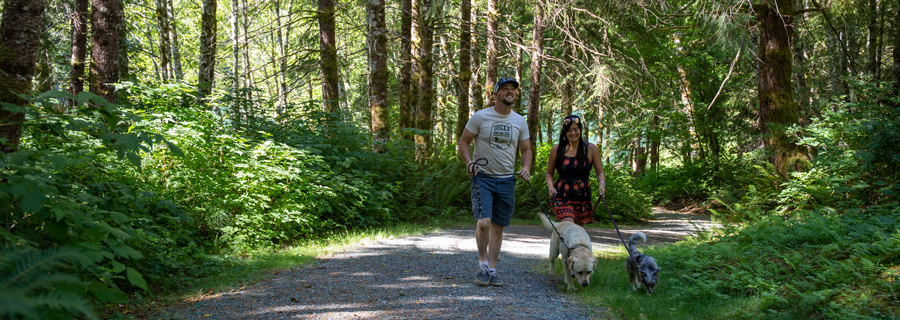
(148, 145)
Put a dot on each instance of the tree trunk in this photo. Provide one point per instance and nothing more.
(19, 42)
(520, 70)
(328, 56)
(896, 75)
(872, 39)
(163, 25)
(235, 49)
(124, 65)
(378, 72)
(477, 93)
(654, 138)
(491, 72)
(465, 66)
(427, 17)
(282, 60)
(104, 48)
(245, 51)
(173, 41)
(534, 94)
(777, 108)
(208, 29)
(79, 46)
(405, 118)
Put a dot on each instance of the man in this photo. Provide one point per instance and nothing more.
(497, 132)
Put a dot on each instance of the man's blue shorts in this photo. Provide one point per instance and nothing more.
(494, 197)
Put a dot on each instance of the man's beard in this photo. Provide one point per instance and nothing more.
(509, 102)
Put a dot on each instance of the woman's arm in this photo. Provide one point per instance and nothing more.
(594, 153)
(551, 166)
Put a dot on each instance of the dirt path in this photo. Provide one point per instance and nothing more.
(426, 277)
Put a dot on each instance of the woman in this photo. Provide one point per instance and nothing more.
(570, 195)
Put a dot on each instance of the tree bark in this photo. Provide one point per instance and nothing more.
(520, 70)
(490, 78)
(104, 48)
(79, 46)
(896, 74)
(378, 72)
(282, 59)
(778, 109)
(208, 30)
(465, 66)
(235, 48)
(872, 39)
(477, 74)
(19, 42)
(163, 25)
(428, 17)
(534, 95)
(405, 119)
(124, 65)
(328, 57)
(173, 41)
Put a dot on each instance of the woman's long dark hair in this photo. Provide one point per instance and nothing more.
(581, 154)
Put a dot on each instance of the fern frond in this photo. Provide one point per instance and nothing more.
(28, 263)
(15, 304)
(47, 281)
(68, 302)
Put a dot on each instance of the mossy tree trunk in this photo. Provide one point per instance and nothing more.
(777, 107)
(208, 30)
(19, 43)
(79, 46)
(534, 95)
(163, 25)
(465, 66)
(428, 14)
(491, 60)
(328, 56)
(378, 71)
(405, 118)
(104, 48)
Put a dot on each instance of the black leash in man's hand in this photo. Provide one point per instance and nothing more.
(473, 167)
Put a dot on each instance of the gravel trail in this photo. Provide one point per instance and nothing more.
(426, 277)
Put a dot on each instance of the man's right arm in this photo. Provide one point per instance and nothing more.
(465, 152)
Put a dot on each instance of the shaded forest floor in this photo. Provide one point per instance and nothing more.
(427, 277)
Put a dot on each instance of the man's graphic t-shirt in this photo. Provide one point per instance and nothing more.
(496, 138)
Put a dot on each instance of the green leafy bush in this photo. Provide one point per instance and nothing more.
(819, 263)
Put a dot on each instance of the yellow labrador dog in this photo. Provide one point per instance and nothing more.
(578, 258)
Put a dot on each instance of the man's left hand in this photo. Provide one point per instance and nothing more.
(524, 174)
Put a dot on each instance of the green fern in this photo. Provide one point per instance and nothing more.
(31, 284)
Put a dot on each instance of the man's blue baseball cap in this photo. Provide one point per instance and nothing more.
(503, 81)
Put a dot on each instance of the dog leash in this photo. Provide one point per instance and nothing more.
(472, 169)
(630, 254)
(545, 211)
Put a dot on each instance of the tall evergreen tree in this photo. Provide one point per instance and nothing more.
(491, 71)
(534, 96)
(405, 119)
(162, 22)
(105, 48)
(777, 107)
(465, 67)
(79, 46)
(429, 13)
(378, 71)
(328, 56)
(208, 31)
(19, 41)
